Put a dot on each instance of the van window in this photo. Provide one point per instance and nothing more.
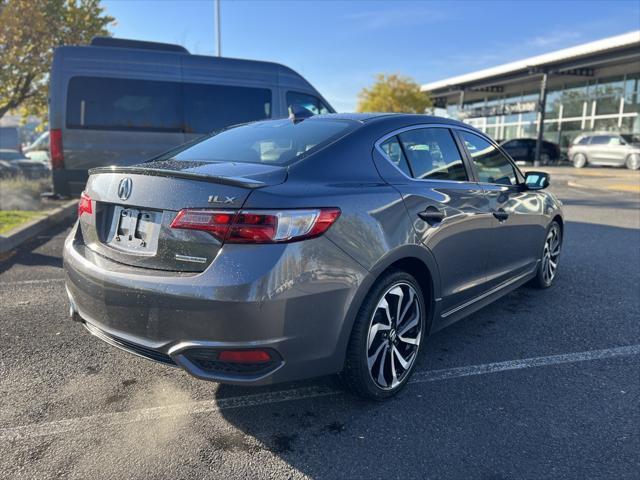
(276, 142)
(122, 104)
(310, 102)
(208, 108)
(156, 106)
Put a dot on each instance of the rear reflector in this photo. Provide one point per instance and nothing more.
(244, 356)
(258, 226)
(55, 148)
(84, 206)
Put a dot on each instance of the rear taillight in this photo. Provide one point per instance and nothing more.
(85, 205)
(258, 226)
(55, 148)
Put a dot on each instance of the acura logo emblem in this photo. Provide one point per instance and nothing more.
(124, 188)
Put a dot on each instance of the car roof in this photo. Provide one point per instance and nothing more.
(408, 118)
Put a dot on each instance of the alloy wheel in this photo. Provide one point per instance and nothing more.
(395, 331)
(633, 161)
(579, 160)
(551, 253)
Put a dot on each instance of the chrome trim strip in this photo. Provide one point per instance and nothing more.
(187, 258)
(486, 294)
(417, 127)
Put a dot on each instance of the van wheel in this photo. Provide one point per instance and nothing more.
(386, 337)
(579, 160)
(633, 161)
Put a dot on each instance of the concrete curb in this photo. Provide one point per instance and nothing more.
(29, 230)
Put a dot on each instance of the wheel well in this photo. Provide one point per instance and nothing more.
(558, 219)
(421, 273)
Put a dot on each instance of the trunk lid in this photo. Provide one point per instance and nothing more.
(133, 208)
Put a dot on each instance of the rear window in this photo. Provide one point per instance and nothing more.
(275, 142)
(156, 106)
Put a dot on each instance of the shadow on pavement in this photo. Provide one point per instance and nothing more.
(479, 427)
(26, 254)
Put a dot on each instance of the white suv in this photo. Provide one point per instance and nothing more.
(606, 149)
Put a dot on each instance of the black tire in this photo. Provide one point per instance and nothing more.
(542, 279)
(356, 374)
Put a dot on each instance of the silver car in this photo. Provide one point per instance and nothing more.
(606, 149)
(287, 249)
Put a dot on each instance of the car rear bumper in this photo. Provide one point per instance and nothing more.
(288, 299)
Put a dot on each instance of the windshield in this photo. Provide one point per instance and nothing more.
(276, 142)
(629, 138)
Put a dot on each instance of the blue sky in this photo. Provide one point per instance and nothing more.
(340, 45)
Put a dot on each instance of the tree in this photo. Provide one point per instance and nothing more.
(393, 93)
(29, 31)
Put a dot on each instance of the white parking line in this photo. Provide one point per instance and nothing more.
(104, 420)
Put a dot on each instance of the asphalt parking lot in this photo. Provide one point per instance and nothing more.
(542, 384)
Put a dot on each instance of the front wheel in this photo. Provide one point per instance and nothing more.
(633, 161)
(548, 266)
(386, 337)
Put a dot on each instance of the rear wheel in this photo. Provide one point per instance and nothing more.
(548, 267)
(386, 337)
(579, 160)
(633, 161)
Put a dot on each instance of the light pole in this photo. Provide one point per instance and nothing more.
(218, 35)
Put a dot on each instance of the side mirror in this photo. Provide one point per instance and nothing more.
(537, 180)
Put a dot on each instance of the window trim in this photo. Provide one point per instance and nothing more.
(471, 177)
(519, 175)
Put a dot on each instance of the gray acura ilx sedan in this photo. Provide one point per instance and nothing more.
(287, 249)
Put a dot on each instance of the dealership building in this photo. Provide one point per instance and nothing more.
(557, 96)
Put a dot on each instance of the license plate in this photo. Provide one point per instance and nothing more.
(135, 230)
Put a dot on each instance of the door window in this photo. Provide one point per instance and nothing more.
(432, 154)
(310, 102)
(492, 165)
(600, 139)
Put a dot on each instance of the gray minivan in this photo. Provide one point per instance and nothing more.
(120, 102)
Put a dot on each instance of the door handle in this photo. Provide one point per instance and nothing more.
(501, 215)
(432, 215)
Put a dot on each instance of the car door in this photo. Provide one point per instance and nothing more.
(518, 228)
(450, 213)
(518, 149)
(597, 151)
(615, 152)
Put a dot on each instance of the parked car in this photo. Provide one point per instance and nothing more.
(286, 249)
(606, 149)
(8, 169)
(39, 149)
(31, 169)
(523, 151)
(119, 102)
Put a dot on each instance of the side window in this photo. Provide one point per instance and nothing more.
(393, 150)
(310, 102)
(208, 108)
(615, 141)
(600, 139)
(122, 104)
(492, 166)
(432, 154)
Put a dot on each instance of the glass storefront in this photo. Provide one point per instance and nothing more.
(605, 104)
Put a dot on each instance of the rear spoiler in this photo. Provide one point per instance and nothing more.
(161, 172)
